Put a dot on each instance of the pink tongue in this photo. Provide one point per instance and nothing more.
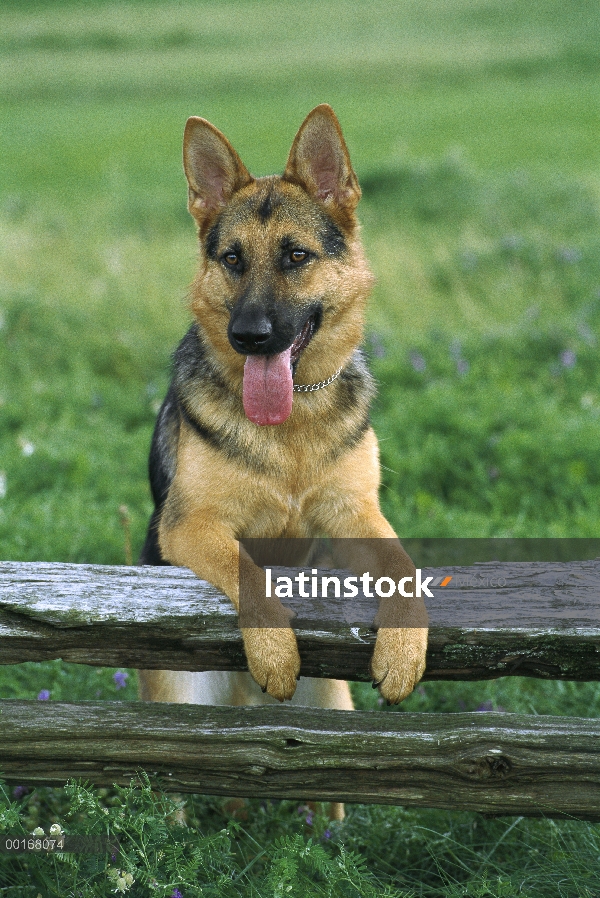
(268, 388)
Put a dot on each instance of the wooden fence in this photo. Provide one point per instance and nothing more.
(495, 763)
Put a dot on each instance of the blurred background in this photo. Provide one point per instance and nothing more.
(473, 126)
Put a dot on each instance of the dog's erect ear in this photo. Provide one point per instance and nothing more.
(320, 162)
(212, 167)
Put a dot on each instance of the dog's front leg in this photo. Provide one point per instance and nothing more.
(210, 550)
(398, 661)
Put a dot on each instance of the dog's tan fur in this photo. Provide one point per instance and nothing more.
(317, 472)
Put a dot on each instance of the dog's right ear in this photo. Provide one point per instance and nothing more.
(212, 167)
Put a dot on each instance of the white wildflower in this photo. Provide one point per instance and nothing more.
(27, 448)
(122, 880)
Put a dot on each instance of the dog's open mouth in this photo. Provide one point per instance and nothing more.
(301, 342)
(268, 389)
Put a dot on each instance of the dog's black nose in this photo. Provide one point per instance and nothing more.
(251, 336)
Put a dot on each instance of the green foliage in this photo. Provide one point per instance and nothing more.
(301, 867)
(277, 852)
(67, 682)
(517, 695)
(487, 412)
(155, 853)
(496, 435)
(449, 854)
(102, 89)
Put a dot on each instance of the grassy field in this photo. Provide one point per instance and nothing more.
(473, 127)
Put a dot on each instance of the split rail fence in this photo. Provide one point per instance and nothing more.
(164, 618)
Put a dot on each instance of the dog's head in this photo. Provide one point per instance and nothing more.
(281, 289)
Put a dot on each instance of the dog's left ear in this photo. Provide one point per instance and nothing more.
(320, 162)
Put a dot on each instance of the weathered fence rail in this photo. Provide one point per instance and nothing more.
(493, 763)
(166, 618)
(545, 622)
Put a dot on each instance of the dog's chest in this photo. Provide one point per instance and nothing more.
(281, 513)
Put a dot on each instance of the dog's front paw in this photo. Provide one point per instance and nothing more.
(273, 659)
(398, 661)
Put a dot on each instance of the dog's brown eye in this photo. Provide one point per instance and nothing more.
(231, 259)
(298, 255)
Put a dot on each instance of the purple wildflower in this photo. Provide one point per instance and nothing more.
(327, 834)
(512, 242)
(568, 358)
(586, 334)
(570, 255)
(485, 706)
(20, 791)
(417, 361)
(455, 350)
(176, 893)
(489, 706)
(44, 695)
(469, 260)
(120, 678)
(377, 346)
(309, 819)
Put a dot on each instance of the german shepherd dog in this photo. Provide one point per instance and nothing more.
(264, 431)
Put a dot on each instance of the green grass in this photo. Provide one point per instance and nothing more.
(85, 89)
(473, 126)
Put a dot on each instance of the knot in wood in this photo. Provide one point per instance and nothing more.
(490, 767)
(497, 766)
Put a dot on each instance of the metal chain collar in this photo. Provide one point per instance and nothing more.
(310, 388)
